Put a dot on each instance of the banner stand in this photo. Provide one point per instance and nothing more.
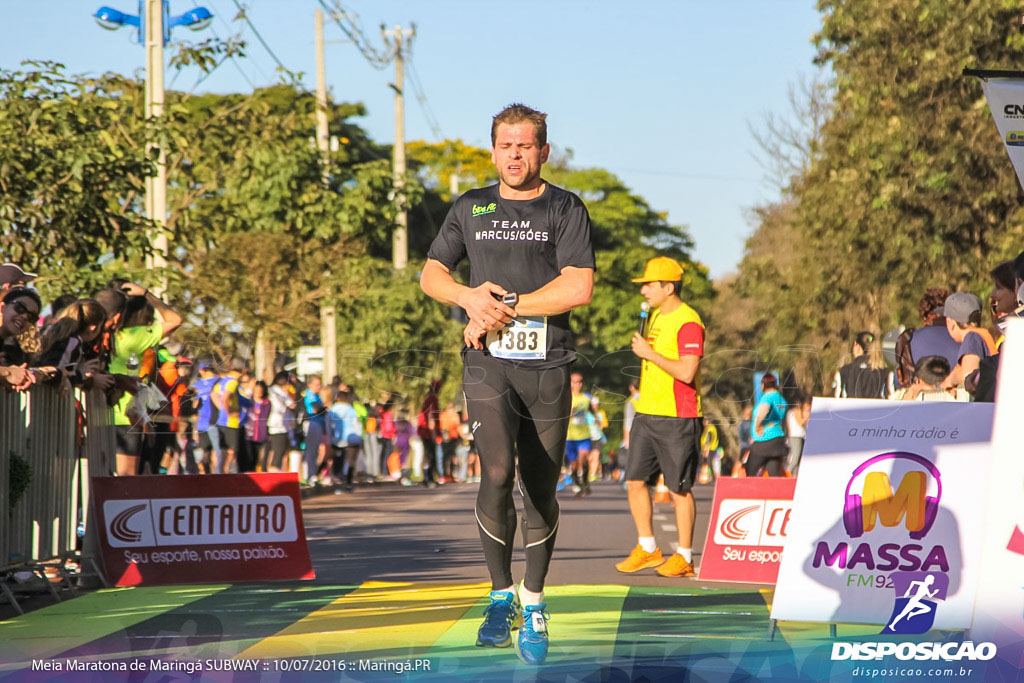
(772, 623)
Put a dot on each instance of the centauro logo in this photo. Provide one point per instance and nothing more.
(1015, 138)
(484, 210)
(199, 521)
(752, 521)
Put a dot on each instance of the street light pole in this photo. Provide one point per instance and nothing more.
(328, 321)
(156, 187)
(154, 23)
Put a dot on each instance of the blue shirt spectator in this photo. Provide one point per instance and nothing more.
(773, 405)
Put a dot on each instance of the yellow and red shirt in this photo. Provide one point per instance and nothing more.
(673, 335)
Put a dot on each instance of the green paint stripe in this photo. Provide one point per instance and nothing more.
(683, 622)
(73, 623)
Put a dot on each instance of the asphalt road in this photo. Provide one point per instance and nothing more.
(387, 532)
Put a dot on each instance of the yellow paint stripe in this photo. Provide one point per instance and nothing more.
(385, 619)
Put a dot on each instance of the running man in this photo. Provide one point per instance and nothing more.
(666, 431)
(916, 605)
(531, 262)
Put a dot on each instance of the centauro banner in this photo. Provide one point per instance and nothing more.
(218, 527)
(1005, 93)
(887, 515)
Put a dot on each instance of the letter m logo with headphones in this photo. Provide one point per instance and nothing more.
(909, 504)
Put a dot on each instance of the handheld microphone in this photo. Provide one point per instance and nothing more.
(645, 312)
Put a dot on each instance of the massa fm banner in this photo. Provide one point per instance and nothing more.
(888, 512)
(209, 529)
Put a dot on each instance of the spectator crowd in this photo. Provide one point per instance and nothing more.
(177, 413)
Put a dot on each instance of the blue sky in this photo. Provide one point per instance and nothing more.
(662, 93)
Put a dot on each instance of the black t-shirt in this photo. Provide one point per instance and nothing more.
(521, 245)
(861, 381)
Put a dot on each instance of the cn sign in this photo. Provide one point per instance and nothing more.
(749, 521)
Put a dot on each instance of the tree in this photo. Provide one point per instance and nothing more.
(72, 163)
(907, 187)
(263, 241)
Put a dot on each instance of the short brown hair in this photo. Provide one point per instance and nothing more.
(518, 113)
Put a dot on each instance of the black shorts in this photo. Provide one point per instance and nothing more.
(129, 440)
(665, 445)
(229, 438)
(205, 443)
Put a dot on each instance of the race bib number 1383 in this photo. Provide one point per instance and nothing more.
(525, 338)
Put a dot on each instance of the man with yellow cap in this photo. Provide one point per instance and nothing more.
(665, 436)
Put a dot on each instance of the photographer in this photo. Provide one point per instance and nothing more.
(138, 333)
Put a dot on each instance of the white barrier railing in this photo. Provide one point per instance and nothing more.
(40, 428)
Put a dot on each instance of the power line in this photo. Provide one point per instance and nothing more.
(259, 37)
(218, 64)
(351, 28)
(235, 61)
(421, 98)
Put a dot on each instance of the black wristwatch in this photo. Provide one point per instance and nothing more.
(510, 300)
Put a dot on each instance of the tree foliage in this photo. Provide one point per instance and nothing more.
(72, 172)
(904, 186)
(263, 235)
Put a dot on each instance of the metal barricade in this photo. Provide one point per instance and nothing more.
(40, 427)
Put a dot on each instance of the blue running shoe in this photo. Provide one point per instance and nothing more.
(532, 644)
(500, 617)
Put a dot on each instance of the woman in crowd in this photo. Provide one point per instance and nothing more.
(280, 417)
(768, 450)
(796, 432)
(387, 431)
(19, 311)
(313, 426)
(138, 334)
(1003, 297)
(346, 433)
(70, 332)
(256, 428)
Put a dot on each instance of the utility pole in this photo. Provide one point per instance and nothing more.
(453, 181)
(400, 239)
(328, 325)
(156, 188)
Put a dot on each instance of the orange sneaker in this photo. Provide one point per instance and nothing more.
(676, 566)
(639, 559)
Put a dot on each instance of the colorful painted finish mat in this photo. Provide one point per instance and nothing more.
(402, 631)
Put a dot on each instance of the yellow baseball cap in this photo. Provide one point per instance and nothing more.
(661, 268)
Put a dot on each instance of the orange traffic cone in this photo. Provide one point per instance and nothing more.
(661, 494)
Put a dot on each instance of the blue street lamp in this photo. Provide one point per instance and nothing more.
(112, 19)
(157, 14)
